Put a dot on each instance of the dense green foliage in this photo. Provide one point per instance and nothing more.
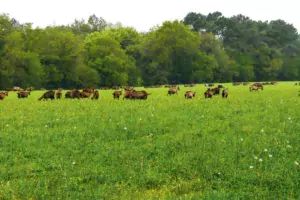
(165, 147)
(200, 48)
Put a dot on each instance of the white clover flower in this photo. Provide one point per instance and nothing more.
(255, 157)
(260, 160)
(73, 163)
(242, 139)
(251, 167)
(262, 130)
(7, 125)
(266, 150)
(140, 119)
(296, 163)
(46, 126)
(125, 128)
(289, 118)
(270, 156)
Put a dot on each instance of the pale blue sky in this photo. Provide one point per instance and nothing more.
(142, 14)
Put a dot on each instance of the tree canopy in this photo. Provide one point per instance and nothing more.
(199, 48)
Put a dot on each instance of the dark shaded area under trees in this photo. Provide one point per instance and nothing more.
(200, 48)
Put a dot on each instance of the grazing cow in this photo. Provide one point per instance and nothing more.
(173, 90)
(85, 94)
(208, 93)
(2, 95)
(23, 94)
(96, 95)
(29, 89)
(253, 87)
(58, 94)
(69, 95)
(189, 94)
(127, 93)
(225, 93)
(117, 94)
(139, 95)
(89, 90)
(17, 88)
(257, 85)
(47, 95)
(216, 91)
(76, 94)
(5, 93)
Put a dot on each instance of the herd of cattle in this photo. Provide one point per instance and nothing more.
(128, 93)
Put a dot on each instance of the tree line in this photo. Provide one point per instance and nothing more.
(199, 48)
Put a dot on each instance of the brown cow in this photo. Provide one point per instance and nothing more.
(127, 93)
(173, 90)
(85, 94)
(2, 95)
(89, 90)
(253, 87)
(73, 94)
(117, 94)
(5, 93)
(258, 85)
(23, 94)
(216, 91)
(208, 93)
(139, 95)
(189, 94)
(58, 93)
(96, 95)
(47, 95)
(30, 88)
(69, 95)
(225, 93)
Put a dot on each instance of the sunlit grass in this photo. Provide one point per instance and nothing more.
(246, 146)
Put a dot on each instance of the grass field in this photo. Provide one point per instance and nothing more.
(167, 147)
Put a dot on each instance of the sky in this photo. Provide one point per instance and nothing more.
(144, 14)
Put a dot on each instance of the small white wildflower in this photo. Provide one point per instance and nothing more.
(266, 150)
(57, 119)
(289, 118)
(260, 160)
(270, 156)
(7, 125)
(46, 126)
(296, 163)
(255, 157)
(251, 167)
(140, 119)
(242, 139)
(262, 130)
(73, 163)
(219, 173)
(125, 128)
(74, 127)
(287, 141)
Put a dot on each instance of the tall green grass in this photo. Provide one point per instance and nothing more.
(243, 147)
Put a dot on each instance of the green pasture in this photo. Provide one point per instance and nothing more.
(165, 147)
